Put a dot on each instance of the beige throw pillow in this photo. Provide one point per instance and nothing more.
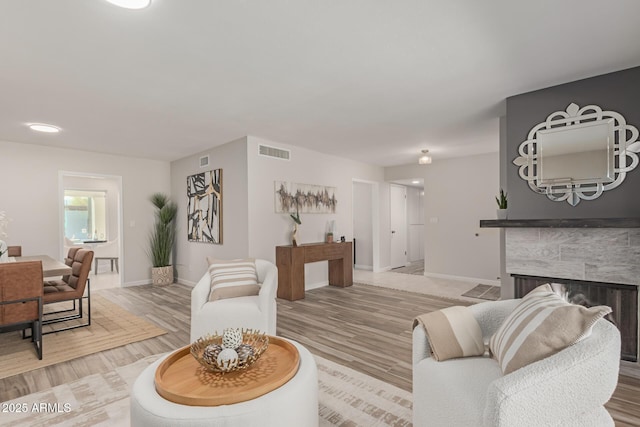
(540, 326)
(233, 278)
(452, 332)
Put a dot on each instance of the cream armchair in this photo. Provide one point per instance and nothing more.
(255, 312)
(566, 389)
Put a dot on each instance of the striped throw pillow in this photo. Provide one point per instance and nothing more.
(452, 332)
(233, 278)
(540, 326)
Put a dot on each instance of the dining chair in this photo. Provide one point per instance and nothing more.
(70, 288)
(109, 252)
(21, 294)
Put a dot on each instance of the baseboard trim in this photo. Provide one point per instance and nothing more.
(363, 267)
(148, 282)
(463, 279)
(382, 269)
(186, 282)
(308, 287)
(136, 283)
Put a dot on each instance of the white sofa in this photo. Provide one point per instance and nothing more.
(566, 389)
(255, 312)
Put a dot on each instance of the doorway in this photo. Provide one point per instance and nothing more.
(91, 218)
(398, 223)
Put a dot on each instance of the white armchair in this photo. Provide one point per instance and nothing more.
(567, 389)
(255, 312)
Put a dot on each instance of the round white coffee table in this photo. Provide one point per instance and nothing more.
(293, 404)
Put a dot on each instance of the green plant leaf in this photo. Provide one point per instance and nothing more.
(163, 235)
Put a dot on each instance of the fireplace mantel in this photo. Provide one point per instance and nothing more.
(562, 223)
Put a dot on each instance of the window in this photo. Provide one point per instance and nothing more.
(85, 215)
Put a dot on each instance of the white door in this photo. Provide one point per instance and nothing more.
(398, 220)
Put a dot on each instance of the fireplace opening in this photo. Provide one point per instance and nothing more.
(623, 300)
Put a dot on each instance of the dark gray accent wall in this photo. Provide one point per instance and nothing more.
(620, 92)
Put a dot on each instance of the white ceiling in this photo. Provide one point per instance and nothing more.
(373, 80)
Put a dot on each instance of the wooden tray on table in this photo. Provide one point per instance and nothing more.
(181, 379)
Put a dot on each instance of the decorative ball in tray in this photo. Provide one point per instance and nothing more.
(234, 350)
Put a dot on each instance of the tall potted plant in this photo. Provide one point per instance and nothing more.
(162, 239)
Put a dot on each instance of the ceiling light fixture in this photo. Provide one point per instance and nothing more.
(131, 4)
(43, 127)
(424, 159)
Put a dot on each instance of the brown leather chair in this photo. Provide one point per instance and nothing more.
(21, 299)
(70, 288)
(14, 250)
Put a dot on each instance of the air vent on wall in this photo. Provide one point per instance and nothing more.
(274, 152)
(204, 161)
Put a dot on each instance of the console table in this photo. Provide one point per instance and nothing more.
(290, 261)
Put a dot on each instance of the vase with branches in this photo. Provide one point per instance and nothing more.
(162, 239)
(296, 221)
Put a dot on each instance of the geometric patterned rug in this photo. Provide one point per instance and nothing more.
(346, 398)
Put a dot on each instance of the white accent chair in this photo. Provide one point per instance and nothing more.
(566, 389)
(254, 312)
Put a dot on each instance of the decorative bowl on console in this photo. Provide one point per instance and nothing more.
(234, 350)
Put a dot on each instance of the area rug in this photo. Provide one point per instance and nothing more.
(347, 398)
(488, 292)
(111, 327)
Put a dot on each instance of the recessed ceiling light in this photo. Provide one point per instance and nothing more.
(415, 181)
(131, 4)
(42, 127)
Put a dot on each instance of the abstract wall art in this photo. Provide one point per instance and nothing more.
(307, 198)
(204, 210)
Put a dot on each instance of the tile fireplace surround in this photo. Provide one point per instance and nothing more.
(587, 250)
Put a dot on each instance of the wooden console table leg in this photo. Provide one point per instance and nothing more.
(336, 273)
(290, 263)
(341, 270)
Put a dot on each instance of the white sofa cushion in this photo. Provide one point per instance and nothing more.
(540, 326)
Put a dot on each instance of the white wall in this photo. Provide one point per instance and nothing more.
(459, 192)
(384, 228)
(30, 192)
(363, 224)
(410, 171)
(190, 257)
(268, 229)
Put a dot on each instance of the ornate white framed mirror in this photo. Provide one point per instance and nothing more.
(578, 154)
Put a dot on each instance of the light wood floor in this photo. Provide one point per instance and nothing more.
(367, 328)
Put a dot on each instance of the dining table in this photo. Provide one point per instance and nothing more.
(50, 267)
